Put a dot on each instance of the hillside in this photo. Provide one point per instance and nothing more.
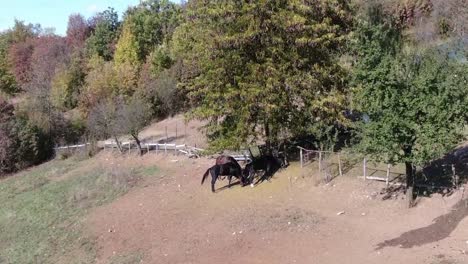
(152, 209)
(375, 90)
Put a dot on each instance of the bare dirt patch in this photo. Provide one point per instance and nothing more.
(170, 218)
(441, 228)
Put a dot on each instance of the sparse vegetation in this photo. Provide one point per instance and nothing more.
(42, 209)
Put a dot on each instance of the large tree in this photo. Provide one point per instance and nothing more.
(256, 67)
(102, 40)
(415, 103)
(152, 23)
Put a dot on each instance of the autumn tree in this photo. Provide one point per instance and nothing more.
(160, 91)
(20, 56)
(78, 31)
(100, 82)
(258, 67)
(132, 117)
(126, 49)
(68, 83)
(126, 62)
(415, 102)
(22, 32)
(102, 121)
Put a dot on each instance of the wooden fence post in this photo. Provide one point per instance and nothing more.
(185, 133)
(320, 163)
(302, 165)
(388, 175)
(364, 164)
(339, 165)
(454, 177)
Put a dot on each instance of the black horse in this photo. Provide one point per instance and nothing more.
(269, 164)
(224, 159)
(229, 169)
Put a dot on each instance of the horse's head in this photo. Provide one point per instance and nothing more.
(282, 160)
(248, 173)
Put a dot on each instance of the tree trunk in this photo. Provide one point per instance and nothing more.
(267, 138)
(138, 144)
(119, 146)
(409, 183)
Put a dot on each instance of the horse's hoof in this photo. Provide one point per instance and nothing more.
(252, 185)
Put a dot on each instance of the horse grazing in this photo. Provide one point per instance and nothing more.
(229, 169)
(224, 159)
(267, 163)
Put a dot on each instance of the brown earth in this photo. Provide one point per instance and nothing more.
(294, 218)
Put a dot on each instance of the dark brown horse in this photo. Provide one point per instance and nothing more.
(224, 159)
(229, 169)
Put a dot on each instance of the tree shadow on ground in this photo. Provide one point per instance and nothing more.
(436, 177)
(441, 228)
(444, 175)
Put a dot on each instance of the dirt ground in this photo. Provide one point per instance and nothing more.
(294, 218)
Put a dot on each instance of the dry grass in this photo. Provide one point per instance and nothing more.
(43, 208)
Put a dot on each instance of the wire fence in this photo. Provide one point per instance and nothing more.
(330, 165)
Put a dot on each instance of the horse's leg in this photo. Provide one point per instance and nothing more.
(268, 172)
(214, 177)
(229, 178)
(251, 175)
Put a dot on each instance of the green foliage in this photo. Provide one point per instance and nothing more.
(22, 143)
(7, 80)
(21, 32)
(100, 82)
(414, 103)
(67, 84)
(257, 67)
(101, 41)
(127, 49)
(132, 116)
(152, 23)
(160, 60)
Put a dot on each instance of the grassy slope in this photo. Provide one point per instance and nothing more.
(42, 209)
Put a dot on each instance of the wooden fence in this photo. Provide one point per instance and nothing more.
(362, 168)
(158, 148)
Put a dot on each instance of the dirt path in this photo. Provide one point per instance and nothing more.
(172, 219)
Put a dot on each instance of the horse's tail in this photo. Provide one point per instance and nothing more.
(204, 175)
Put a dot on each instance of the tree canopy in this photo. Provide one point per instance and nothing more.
(262, 66)
(415, 102)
